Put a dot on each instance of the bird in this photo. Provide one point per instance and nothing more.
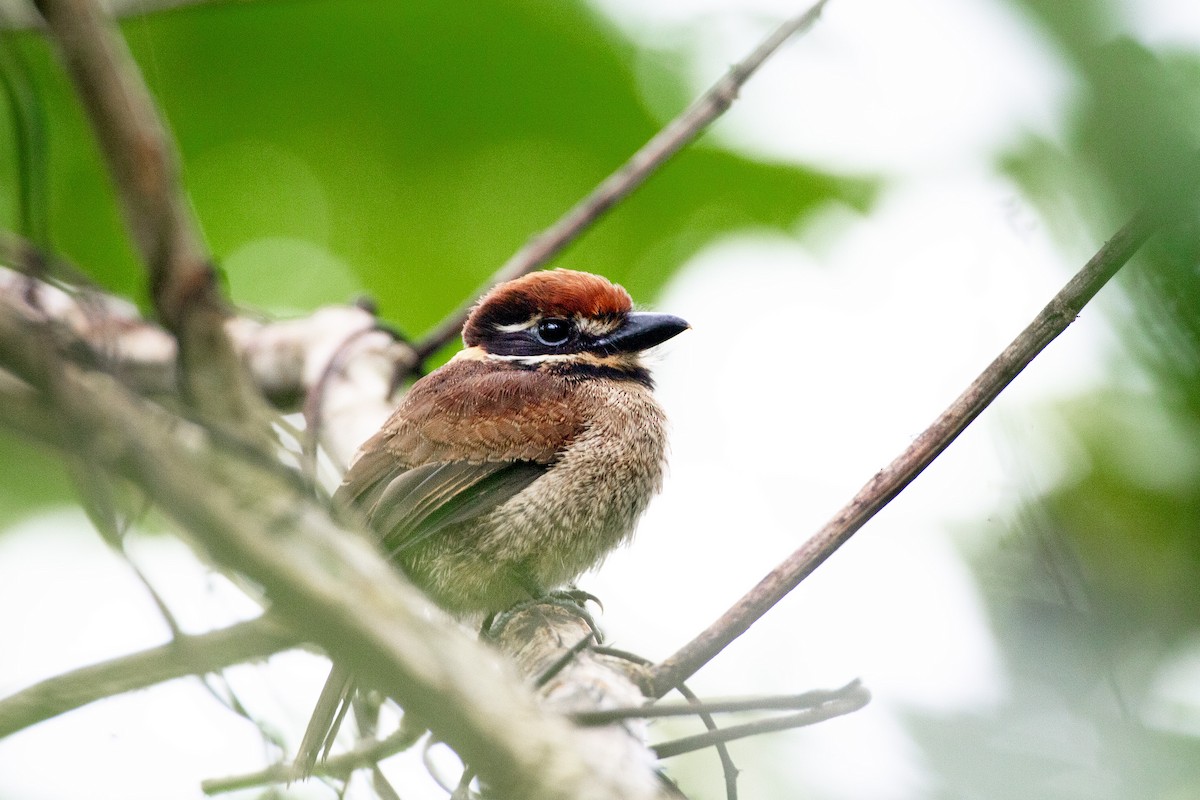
(519, 464)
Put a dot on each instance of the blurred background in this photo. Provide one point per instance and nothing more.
(886, 206)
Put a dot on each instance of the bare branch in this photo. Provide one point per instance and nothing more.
(844, 701)
(890, 481)
(728, 768)
(140, 155)
(145, 171)
(632, 174)
(186, 655)
(786, 702)
(17, 14)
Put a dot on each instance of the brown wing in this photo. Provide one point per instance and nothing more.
(464, 440)
(423, 500)
(472, 411)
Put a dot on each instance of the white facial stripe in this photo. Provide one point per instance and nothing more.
(518, 326)
(596, 327)
(541, 359)
(619, 360)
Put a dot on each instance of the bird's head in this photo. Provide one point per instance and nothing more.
(563, 320)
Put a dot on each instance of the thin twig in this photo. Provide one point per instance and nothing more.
(115, 531)
(363, 755)
(314, 401)
(463, 790)
(888, 482)
(187, 655)
(656, 152)
(460, 790)
(788, 702)
(728, 768)
(382, 786)
(854, 697)
(566, 658)
(819, 705)
(217, 684)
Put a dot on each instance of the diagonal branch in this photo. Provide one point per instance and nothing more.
(16, 14)
(186, 655)
(890, 481)
(144, 166)
(140, 155)
(633, 173)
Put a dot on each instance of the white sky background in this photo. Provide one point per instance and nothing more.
(846, 339)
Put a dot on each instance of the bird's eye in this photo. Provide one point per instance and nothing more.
(553, 331)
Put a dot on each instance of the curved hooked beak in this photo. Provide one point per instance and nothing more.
(640, 331)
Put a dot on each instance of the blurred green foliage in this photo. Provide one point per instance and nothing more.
(1131, 513)
(1094, 594)
(334, 148)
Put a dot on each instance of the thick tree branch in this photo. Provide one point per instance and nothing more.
(187, 655)
(543, 641)
(682, 130)
(890, 481)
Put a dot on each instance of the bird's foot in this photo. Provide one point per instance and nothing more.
(572, 600)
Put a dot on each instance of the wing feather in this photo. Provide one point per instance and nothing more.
(424, 500)
(465, 439)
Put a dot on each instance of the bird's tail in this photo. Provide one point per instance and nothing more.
(326, 719)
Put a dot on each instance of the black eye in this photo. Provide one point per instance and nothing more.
(553, 331)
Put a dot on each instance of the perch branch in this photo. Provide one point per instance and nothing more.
(569, 679)
(888, 482)
(633, 173)
(187, 655)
